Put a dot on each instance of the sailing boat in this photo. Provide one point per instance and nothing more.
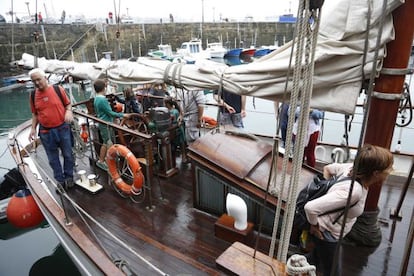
(177, 224)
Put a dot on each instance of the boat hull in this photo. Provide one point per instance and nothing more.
(248, 52)
(233, 52)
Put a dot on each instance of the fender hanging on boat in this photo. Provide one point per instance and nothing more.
(22, 210)
(138, 178)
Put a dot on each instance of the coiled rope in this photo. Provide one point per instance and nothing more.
(298, 265)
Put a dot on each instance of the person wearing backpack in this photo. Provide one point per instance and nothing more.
(372, 165)
(52, 111)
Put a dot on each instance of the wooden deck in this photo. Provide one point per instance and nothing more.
(174, 234)
(387, 258)
(179, 239)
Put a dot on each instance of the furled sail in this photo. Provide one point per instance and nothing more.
(338, 71)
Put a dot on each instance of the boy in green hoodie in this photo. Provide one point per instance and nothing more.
(104, 112)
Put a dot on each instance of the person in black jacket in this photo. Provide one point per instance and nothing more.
(132, 105)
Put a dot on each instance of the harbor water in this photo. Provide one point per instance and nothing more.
(34, 251)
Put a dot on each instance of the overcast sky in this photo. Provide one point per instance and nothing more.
(180, 9)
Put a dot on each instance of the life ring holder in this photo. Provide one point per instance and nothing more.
(125, 172)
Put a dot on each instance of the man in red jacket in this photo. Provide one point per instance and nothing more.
(52, 111)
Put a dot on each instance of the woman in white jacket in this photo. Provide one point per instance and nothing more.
(372, 164)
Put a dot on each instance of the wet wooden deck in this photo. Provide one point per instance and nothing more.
(174, 235)
(387, 258)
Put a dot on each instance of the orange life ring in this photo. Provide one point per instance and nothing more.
(120, 150)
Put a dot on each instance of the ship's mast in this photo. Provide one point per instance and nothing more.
(383, 111)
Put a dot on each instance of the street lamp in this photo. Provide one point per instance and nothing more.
(28, 9)
(202, 21)
(12, 30)
(202, 11)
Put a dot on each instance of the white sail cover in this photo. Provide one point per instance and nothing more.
(338, 61)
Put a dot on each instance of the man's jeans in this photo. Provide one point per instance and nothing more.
(234, 119)
(54, 139)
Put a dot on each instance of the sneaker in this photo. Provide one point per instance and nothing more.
(102, 165)
(69, 183)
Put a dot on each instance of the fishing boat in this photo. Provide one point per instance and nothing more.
(178, 222)
(193, 49)
(264, 50)
(235, 52)
(216, 49)
(248, 52)
(164, 51)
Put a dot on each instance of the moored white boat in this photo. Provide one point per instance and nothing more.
(164, 51)
(216, 49)
(193, 49)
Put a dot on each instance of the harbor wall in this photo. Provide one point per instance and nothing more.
(89, 42)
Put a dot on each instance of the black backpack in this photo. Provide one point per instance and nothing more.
(318, 187)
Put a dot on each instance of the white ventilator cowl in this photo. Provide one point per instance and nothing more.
(237, 208)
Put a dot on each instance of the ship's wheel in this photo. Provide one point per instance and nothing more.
(137, 122)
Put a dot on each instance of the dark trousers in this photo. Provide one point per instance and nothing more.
(322, 256)
(234, 119)
(54, 139)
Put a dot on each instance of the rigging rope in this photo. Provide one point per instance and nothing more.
(311, 28)
(307, 30)
(287, 149)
